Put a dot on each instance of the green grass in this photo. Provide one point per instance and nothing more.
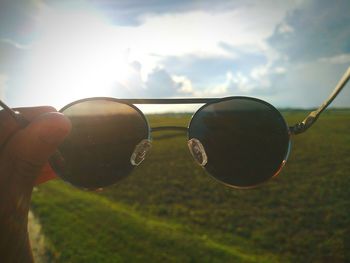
(85, 227)
(170, 210)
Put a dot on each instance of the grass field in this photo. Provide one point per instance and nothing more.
(170, 210)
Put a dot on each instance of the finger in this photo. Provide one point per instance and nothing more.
(8, 124)
(31, 113)
(32, 146)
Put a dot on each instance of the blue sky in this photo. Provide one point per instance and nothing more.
(290, 53)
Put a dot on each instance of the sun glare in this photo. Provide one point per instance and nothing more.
(78, 55)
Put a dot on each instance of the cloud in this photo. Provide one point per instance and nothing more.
(258, 82)
(283, 28)
(247, 72)
(158, 83)
(313, 44)
(134, 12)
(205, 71)
(185, 84)
(161, 84)
(315, 30)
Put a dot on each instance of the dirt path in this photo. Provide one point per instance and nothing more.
(37, 240)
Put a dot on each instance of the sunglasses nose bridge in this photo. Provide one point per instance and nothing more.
(198, 152)
(140, 152)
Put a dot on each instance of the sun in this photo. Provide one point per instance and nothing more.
(78, 55)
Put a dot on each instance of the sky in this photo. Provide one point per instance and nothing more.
(290, 53)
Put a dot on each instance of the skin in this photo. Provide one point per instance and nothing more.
(24, 153)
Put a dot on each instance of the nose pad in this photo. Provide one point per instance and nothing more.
(197, 151)
(140, 152)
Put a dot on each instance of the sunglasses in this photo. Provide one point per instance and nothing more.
(241, 142)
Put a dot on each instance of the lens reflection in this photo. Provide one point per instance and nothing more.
(246, 140)
(104, 134)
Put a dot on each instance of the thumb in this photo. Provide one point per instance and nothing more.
(31, 147)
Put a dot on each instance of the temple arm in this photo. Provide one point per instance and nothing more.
(15, 114)
(313, 116)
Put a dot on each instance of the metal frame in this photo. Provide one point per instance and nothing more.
(13, 113)
(170, 101)
(23, 122)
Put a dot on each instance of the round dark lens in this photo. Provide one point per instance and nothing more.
(246, 140)
(103, 137)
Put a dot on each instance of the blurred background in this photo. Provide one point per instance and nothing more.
(290, 53)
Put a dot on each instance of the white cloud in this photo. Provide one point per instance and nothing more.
(261, 75)
(200, 32)
(218, 91)
(280, 70)
(184, 83)
(241, 82)
(285, 28)
(234, 84)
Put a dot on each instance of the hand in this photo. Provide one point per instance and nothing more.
(23, 163)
